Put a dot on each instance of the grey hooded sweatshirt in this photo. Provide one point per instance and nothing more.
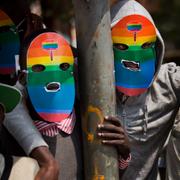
(148, 118)
(20, 125)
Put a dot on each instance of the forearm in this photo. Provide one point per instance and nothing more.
(49, 168)
(43, 156)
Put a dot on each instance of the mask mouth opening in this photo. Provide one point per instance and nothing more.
(53, 87)
(131, 65)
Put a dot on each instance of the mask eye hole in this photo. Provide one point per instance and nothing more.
(38, 68)
(120, 46)
(64, 66)
(147, 45)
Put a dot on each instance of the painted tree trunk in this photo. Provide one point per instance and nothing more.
(96, 80)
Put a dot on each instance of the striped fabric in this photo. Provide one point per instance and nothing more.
(124, 163)
(52, 129)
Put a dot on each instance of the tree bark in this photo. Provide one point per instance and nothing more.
(96, 80)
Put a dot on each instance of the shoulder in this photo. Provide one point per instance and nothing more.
(169, 71)
(168, 79)
(170, 67)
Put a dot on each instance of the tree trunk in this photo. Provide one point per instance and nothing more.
(96, 80)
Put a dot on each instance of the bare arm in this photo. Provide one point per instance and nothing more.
(49, 168)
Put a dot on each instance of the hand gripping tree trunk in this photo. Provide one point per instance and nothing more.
(96, 80)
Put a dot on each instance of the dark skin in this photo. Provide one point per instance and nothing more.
(112, 133)
(49, 168)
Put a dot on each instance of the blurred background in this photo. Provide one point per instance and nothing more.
(59, 15)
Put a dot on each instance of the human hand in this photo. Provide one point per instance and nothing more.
(49, 168)
(112, 133)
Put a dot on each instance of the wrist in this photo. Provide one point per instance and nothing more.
(43, 156)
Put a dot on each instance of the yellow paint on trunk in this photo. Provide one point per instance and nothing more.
(98, 112)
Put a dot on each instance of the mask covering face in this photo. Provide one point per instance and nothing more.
(50, 80)
(134, 52)
(9, 45)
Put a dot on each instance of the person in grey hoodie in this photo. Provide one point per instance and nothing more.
(148, 93)
(173, 152)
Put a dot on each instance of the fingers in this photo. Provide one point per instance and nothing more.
(113, 142)
(110, 128)
(112, 133)
(111, 123)
(111, 136)
(113, 120)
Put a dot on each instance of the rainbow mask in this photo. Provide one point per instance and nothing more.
(50, 80)
(134, 40)
(9, 44)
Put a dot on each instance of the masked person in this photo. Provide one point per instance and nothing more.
(17, 120)
(147, 92)
(53, 103)
(47, 107)
(173, 152)
(49, 83)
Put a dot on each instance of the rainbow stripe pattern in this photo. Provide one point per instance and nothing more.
(9, 44)
(52, 106)
(134, 31)
(134, 27)
(122, 34)
(50, 45)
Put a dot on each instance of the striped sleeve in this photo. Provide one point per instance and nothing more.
(124, 163)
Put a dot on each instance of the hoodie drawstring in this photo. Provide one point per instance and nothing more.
(145, 120)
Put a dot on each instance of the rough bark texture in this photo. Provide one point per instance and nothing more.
(96, 79)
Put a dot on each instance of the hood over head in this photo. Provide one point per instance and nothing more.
(120, 11)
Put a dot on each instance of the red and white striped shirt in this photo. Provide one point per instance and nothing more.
(52, 129)
(124, 163)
